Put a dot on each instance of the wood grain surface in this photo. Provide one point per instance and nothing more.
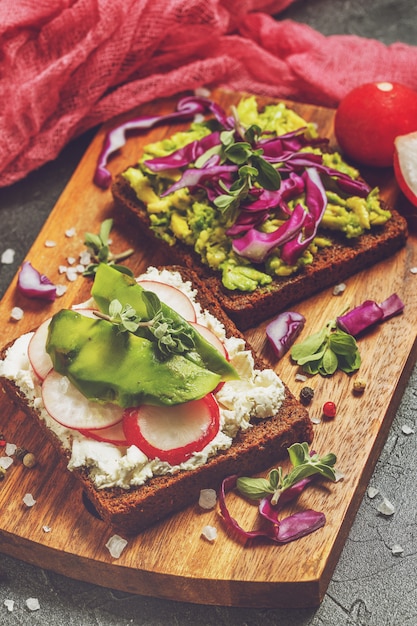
(172, 560)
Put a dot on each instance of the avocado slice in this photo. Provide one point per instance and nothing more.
(110, 284)
(107, 365)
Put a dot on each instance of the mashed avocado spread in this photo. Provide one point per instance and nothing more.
(246, 221)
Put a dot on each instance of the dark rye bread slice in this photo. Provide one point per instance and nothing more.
(255, 450)
(331, 265)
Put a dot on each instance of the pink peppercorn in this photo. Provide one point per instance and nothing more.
(329, 409)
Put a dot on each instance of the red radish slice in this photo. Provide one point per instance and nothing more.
(173, 297)
(211, 338)
(173, 433)
(112, 434)
(39, 359)
(70, 408)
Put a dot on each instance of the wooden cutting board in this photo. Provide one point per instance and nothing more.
(172, 560)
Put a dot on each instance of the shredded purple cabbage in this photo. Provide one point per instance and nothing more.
(279, 530)
(33, 284)
(365, 315)
(256, 246)
(185, 155)
(284, 330)
(115, 139)
(316, 200)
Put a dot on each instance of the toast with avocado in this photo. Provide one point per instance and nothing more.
(257, 203)
(150, 394)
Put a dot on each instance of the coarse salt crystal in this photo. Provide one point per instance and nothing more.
(208, 498)
(209, 533)
(386, 507)
(16, 313)
(85, 257)
(6, 462)
(338, 289)
(372, 492)
(315, 420)
(70, 260)
(300, 378)
(9, 604)
(338, 475)
(46, 529)
(116, 545)
(70, 232)
(33, 604)
(50, 244)
(80, 268)
(61, 289)
(29, 500)
(72, 274)
(413, 270)
(8, 256)
(397, 549)
(407, 430)
(10, 448)
(62, 269)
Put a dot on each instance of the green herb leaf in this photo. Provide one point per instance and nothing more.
(254, 488)
(98, 245)
(326, 351)
(304, 465)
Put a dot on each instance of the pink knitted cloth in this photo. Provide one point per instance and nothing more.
(67, 65)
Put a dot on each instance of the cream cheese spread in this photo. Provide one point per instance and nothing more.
(256, 394)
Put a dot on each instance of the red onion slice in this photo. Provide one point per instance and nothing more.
(35, 285)
(393, 305)
(284, 330)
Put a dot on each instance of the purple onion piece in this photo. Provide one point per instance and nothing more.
(393, 305)
(193, 176)
(284, 330)
(360, 318)
(35, 285)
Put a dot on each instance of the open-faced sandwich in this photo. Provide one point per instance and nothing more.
(259, 205)
(151, 394)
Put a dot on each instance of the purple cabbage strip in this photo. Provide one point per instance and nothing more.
(284, 330)
(393, 305)
(185, 155)
(35, 285)
(278, 530)
(365, 315)
(116, 138)
(256, 246)
(316, 200)
(194, 177)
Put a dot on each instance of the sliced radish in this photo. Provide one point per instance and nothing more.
(173, 297)
(113, 434)
(173, 433)
(39, 358)
(70, 408)
(209, 336)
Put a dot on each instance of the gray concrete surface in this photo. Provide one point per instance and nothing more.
(370, 586)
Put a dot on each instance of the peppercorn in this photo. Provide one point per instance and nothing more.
(29, 460)
(20, 453)
(329, 409)
(359, 385)
(2, 472)
(306, 395)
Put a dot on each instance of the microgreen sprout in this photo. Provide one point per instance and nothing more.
(326, 351)
(253, 168)
(170, 337)
(99, 247)
(304, 465)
